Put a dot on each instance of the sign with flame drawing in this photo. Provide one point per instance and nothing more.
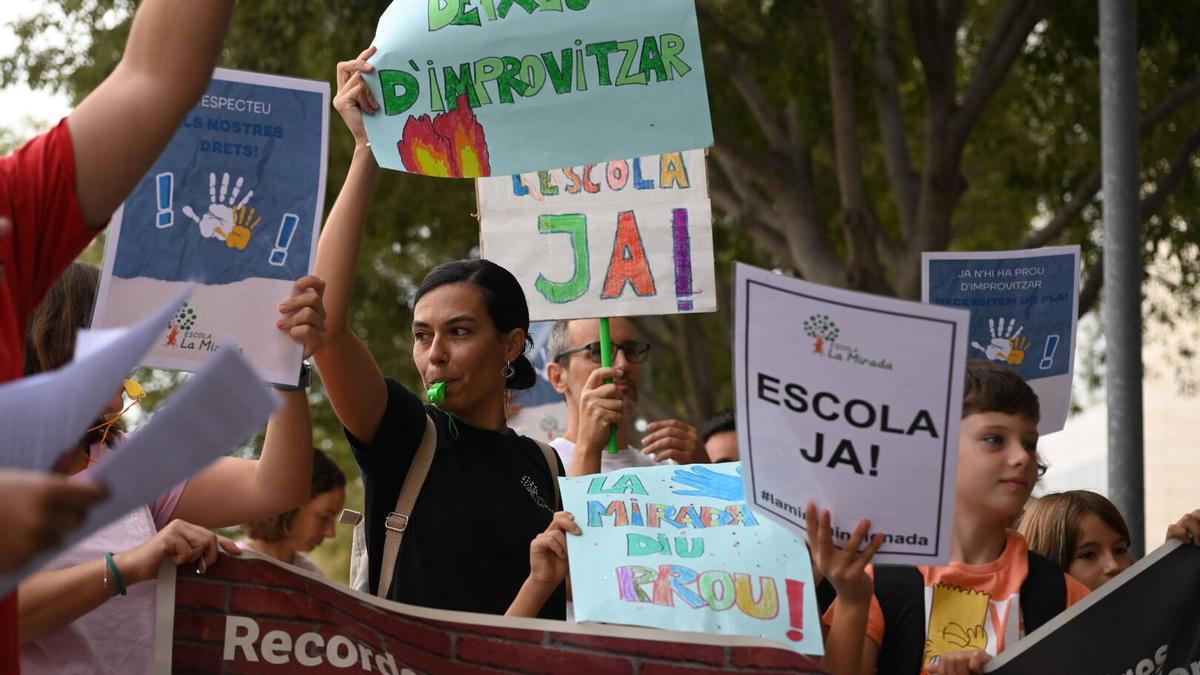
(473, 88)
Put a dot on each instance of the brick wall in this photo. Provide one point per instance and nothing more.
(279, 599)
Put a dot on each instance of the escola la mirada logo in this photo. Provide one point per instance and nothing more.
(824, 332)
(181, 336)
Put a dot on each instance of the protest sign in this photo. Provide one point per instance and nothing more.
(501, 87)
(1146, 621)
(1024, 306)
(541, 412)
(253, 614)
(851, 401)
(630, 237)
(233, 203)
(678, 547)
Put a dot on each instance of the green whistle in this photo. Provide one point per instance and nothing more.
(436, 393)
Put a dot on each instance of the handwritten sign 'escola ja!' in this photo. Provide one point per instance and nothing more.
(619, 238)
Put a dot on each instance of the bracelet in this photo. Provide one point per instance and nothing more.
(111, 565)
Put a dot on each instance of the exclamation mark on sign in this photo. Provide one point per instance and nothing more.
(683, 259)
(1048, 354)
(287, 229)
(795, 595)
(874, 460)
(165, 184)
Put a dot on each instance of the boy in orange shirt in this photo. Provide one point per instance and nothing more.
(952, 619)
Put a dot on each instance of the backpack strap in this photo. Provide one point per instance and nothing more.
(901, 594)
(1044, 592)
(397, 521)
(552, 463)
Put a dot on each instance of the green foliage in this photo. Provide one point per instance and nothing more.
(1034, 145)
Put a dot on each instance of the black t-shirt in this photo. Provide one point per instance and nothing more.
(487, 495)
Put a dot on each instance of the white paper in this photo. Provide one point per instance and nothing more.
(215, 411)
(44, 415)
(807, 358)
(646, 225)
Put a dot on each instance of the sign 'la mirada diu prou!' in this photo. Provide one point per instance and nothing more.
(851, 401)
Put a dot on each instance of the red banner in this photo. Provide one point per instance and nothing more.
(254, 615)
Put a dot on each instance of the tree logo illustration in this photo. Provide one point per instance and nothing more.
(183, 320)
(822, 329)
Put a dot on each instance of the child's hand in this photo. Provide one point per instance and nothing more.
(1187, 529)
(845, 568)
(959, 663)
(548, 550)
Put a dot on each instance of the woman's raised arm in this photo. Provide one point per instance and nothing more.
(351, 376)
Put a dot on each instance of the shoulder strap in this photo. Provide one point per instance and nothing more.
(397, 521)
(1044, 592)
(901, 594)
(551, 456)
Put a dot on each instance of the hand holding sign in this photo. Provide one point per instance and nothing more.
(601, 406)
(353, 98)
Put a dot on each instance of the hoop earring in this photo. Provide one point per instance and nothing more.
(508, 371)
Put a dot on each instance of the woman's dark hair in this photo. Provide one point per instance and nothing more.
(50, 339)
(1051, 524)
(503, 297)
(326, 476)
(67, 307)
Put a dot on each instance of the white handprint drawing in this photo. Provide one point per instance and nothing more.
(1006, 344)
(220, 218)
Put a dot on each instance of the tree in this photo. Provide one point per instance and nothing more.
(979, 108)
(851, 136)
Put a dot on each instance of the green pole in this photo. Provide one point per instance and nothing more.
(606, 360)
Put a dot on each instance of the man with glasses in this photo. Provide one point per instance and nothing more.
(593, 406)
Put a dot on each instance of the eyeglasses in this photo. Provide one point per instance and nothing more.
(635, 352)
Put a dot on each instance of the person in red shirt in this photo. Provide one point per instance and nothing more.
(56, 193)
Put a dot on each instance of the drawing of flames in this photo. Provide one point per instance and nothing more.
(451, 144)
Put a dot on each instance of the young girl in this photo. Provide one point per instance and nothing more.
(71, 619)
(1085, 534)
(489, 491)
(289, 535)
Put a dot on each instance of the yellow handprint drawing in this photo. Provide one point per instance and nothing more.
(956, 618)
(1016, 355)
(245, 220)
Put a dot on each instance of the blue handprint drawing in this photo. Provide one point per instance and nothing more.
(708, 483)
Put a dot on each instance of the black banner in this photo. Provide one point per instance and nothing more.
(1144, 622)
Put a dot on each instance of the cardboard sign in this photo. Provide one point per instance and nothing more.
(678, 547)
(624, 238)
(1145, 621)
(1024, 308)
(253, 614)
(234, 203)
(500, 87)
(851, 401)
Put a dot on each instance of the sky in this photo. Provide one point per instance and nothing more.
(18, 102)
